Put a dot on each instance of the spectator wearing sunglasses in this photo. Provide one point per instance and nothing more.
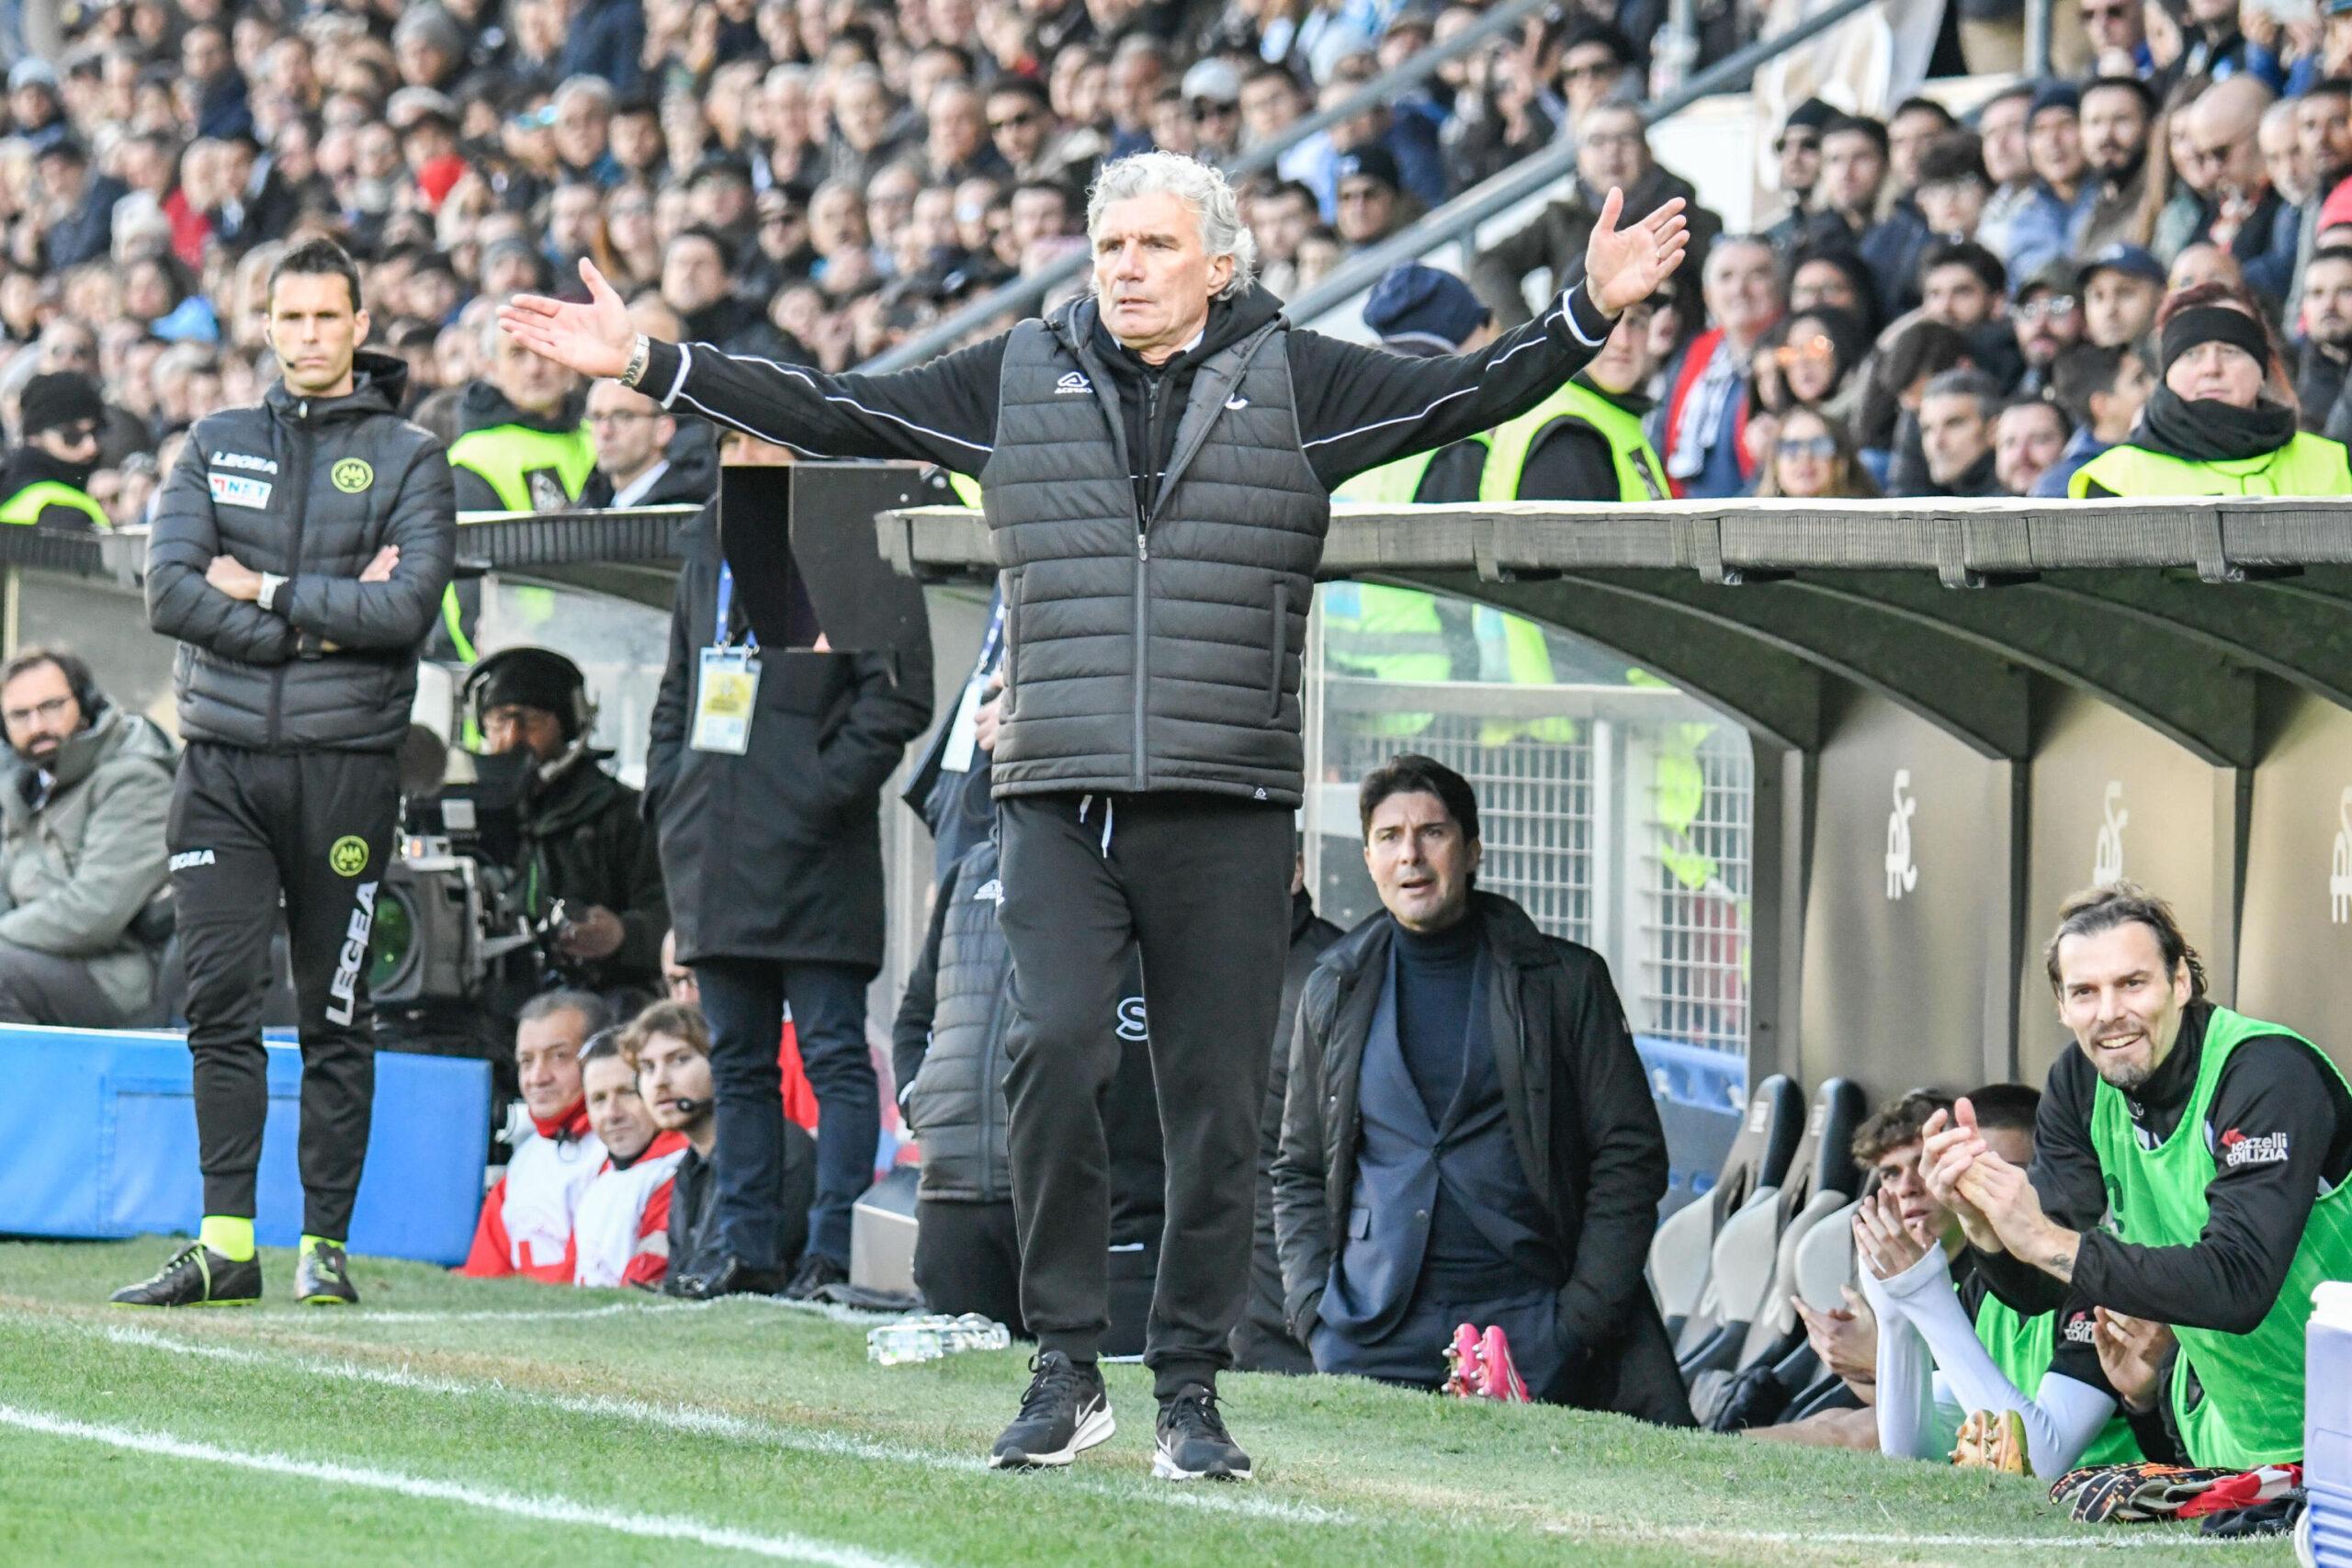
(1797, 151)
(1811, 460)
(1806, 361)
(46, 481)
(1211, 97)
(2046, 320)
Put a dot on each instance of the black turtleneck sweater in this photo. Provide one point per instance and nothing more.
(2228, 1279)
(1436, 984)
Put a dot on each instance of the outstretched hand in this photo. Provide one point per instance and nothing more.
(592, 339)
(1624, 266)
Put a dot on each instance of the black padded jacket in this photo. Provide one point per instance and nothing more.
(307, 489)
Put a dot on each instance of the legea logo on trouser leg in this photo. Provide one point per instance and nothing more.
(344, 989)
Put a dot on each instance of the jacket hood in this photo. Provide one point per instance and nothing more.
(1229, 321)
(379, 383)
(115, 736)
(484, 407)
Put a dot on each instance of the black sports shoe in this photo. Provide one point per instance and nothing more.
(1193, 1439)
(721, 1274)
(816, 1272)
(1066, 1412)
(197, 1276)
(323, 1277)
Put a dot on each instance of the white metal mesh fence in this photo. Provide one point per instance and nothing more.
(1694, 916)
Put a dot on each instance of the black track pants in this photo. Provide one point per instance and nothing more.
(1201, 883)
(245, 827)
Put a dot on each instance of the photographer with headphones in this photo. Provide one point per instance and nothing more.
(585, 844)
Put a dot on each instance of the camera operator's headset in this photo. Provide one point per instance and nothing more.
(542, 670)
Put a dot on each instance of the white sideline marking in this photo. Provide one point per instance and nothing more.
(832, 1312)
(710, 1423)
(617, 1309)
(515, 1505)
(2120, 1538)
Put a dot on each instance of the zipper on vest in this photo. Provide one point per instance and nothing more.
(1147, 461)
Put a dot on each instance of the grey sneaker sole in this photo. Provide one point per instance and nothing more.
(1165, 1468)
(1095, 1428)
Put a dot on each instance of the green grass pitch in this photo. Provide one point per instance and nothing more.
(496, 1425)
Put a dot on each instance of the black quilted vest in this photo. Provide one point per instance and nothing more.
(1159, 658)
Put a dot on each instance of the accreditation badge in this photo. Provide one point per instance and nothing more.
(724, 699)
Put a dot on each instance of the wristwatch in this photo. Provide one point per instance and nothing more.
(639, 352)
(270, 583)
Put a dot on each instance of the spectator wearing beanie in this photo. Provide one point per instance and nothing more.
(1798, 150)
(1421, 310)
(45, 482)
(2207, 428)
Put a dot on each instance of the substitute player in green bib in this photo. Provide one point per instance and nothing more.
(2215, 1146)
(1949, 1348)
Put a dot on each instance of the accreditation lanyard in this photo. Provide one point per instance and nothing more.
(729, 687)
(963, 735)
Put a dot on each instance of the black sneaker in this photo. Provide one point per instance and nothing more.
(323, 1277)
(723, 1274)
(1066, 1412)
(197, 1276)
(1193, 1439)
(816, 1272)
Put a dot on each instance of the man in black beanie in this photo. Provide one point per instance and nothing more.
(585, 843)
(45, 482)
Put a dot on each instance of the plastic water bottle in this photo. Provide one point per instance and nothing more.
(911, 1340)
(2327, 1426)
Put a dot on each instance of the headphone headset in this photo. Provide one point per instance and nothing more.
(79, 679)
(582, 715)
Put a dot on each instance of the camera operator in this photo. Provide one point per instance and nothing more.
(772, 843)
(586, 845)
(299, 553)
(83, 791)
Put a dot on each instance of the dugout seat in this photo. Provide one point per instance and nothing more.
(1754, 1260)
(1682, 1252)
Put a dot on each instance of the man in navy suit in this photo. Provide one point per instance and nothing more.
(1468, 1135)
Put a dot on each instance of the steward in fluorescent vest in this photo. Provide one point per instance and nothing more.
(2189, 1168)
(523, 442)
(1157, 460)
(44, 482)
(2208, 430)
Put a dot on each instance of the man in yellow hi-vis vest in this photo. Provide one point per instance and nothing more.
(1585, 441)
(523, 442)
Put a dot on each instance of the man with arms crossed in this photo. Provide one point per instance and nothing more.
(299, 552)
(1157, 460)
